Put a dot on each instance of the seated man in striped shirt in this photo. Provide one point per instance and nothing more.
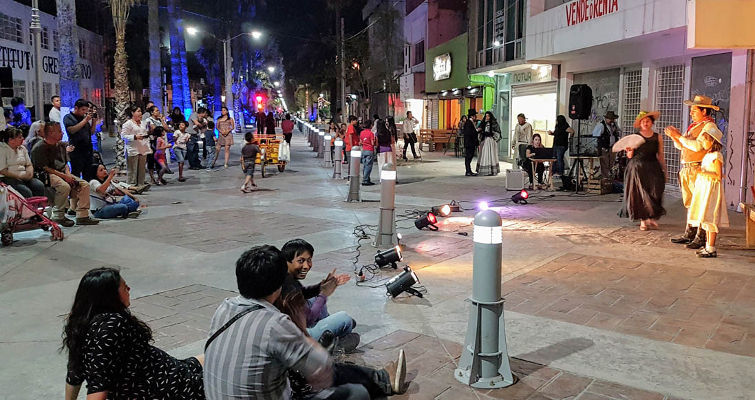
(253, 345)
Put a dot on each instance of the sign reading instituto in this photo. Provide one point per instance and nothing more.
(442, 67)
(580, 11)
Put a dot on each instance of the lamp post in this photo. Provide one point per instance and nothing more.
(227, 59)
(36, 29)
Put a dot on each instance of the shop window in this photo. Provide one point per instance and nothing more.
(669, 85)
(631, 100)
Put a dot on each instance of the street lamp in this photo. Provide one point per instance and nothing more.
(36, 29)
(271, 69)
(276, 83)
(191, 30)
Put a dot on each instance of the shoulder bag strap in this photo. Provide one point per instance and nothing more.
(229, 323)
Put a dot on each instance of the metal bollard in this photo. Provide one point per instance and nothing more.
(484, 361)
(337, 158)
(326, 152)
(321, 144)
(354, 183)
(386, 235)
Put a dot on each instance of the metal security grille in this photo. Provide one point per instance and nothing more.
(631, 101)
(669, 98)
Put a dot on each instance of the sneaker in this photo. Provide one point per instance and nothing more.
(707, 254)
(87, 221)
(349, 342)
(695, 244)
(397, 373)
(63, 221)
(327, 340)
(134, 214)
(71, 213)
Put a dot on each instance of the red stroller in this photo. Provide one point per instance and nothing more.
(18, 214)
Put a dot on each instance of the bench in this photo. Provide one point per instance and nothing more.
(434, 137)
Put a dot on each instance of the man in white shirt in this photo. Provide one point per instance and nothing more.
(54, 114)
(522, 137)
(409, 136)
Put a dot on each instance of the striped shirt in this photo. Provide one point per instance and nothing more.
(251, 359)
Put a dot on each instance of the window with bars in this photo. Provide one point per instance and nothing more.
(46, 91)
(500, 31)
(668, 99)
(45, 38)
(82, 49)
(10, 28)
(55, 41)
(19, 89)
(631, 100)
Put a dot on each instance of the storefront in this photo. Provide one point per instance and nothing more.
(16, 56)
(646, 66)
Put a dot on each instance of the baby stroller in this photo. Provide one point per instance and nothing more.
(18, 214)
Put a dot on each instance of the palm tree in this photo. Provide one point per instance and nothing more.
(153, 21)
(120, 10)
(177, 63)
(68, 52)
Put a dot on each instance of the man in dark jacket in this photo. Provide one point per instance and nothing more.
(470, 141)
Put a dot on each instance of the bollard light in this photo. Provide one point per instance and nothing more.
(520, 197)
(354, 184)
(403, 282)
(427, 220)
(443, 211)
(388, 257)
(482, 206)
(484, 362)
(386, 233)
(338, 142)
(388, 175)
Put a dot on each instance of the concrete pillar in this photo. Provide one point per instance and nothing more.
(354, 183)
(321, 144)
(337, 158)
(386, 235)
(484, 361)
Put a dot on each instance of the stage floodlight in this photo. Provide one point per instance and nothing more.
(403, 282)
(390, 256)
(427, 220)
(520, 197)
(443, 211)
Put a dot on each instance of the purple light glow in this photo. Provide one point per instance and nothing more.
(483, 205)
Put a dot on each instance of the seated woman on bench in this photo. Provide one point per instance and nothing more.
(531, 153)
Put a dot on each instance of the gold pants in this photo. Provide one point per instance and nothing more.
(687, 176)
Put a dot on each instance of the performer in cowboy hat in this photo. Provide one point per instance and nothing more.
(608, 133)
(694, 145)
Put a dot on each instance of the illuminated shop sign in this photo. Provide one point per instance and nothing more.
(442, 67)
(580, 11)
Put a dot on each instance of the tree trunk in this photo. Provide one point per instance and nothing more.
(176, 75)
(120, 10)
(68, 52)
(155, 81)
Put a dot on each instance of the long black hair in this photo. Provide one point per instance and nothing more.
(392, 127)
(383, 134)
(561, 123)
(98, 293)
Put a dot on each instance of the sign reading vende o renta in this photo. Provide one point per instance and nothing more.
(579, 11)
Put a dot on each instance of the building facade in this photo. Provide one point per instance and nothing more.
(16, 53)
(634, 56)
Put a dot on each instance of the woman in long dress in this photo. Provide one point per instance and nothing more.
(708, 206)
(645, 176)
(490, 134)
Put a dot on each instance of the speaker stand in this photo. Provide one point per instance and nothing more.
(579, 163)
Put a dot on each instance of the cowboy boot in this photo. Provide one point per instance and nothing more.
(698, 241)
(689, 234)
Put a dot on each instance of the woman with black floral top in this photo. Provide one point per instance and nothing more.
(109, 348)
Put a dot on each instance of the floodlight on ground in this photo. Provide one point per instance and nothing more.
(520, 197)
(427, 220)
(403, 282)
(388, 257)
(442, 210)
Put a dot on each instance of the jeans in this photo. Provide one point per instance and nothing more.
(192, 154)
(351, 381)
(32, 187)
(339, 323)
(119, 209)
(367, 156)
(559, 151)
(409, 144)
(212, 156)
